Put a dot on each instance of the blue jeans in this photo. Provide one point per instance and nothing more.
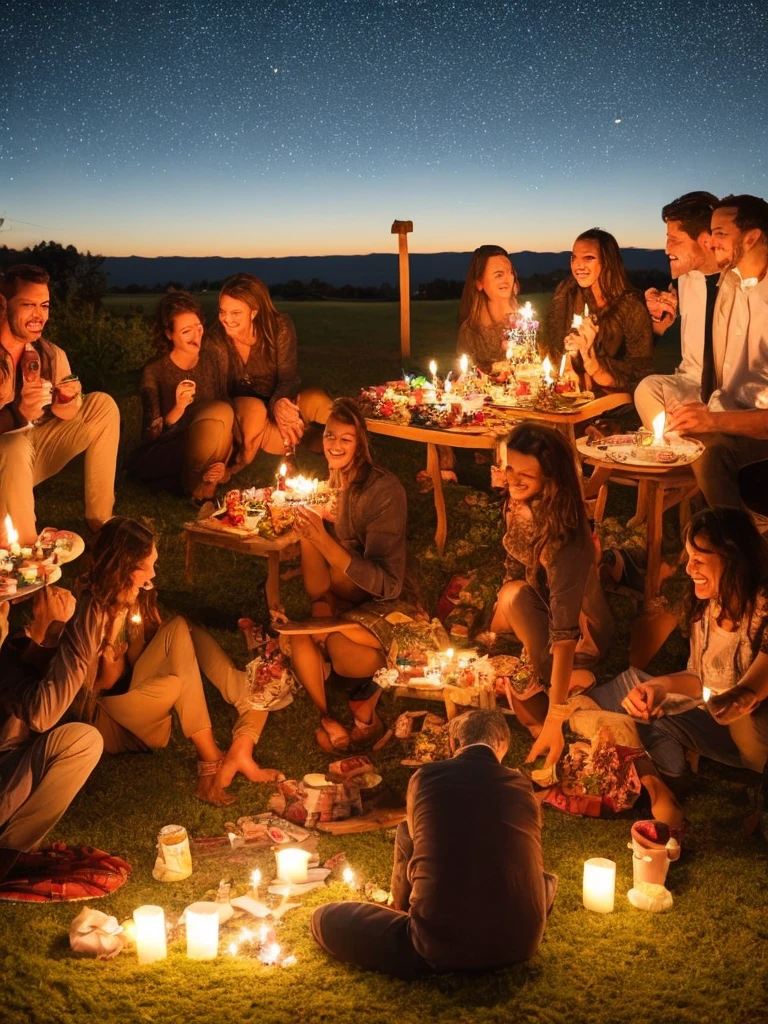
(667, 738)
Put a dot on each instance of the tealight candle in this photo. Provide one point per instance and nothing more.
(150, 934)
(255, 883)
(658, 424)
(599, 885)
(202, 931)
(348, 875)
(433, 371)
(13, 537)
(292, 865)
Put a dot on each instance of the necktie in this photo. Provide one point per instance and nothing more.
(708, 374)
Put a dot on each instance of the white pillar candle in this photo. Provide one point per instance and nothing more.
(150, 934)
(202, 931)
(292, 865)
(599, 884)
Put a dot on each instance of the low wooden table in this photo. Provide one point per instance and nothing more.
(478, 439)
(658, 488)
(214, 535)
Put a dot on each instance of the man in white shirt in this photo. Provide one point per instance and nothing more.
(44, 418)
(733, 422)
(692, 264)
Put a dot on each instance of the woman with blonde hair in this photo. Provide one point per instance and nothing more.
(271, 407)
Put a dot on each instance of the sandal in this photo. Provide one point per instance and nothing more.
(367, 732)
(331, 736)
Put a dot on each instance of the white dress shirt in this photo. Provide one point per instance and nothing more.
(740, 343)
(692, 292)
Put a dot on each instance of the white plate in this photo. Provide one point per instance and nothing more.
(687, 451)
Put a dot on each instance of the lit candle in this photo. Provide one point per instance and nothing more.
(464, 364)
(433, 371)
(255, 883)
(658, 428)
(13, 537)
(599, 884)
(706, 693)
(547, 368)
(561, 371)
(527, 312)
(292, 865)
(136, 618)
(150, 934)
(348, 875)
(202, 931)
(282, 473)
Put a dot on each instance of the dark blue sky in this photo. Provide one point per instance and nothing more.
(277, 127)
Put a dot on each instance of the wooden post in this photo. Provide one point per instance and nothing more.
(401, 228)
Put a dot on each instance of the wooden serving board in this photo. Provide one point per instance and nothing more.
(383, 817)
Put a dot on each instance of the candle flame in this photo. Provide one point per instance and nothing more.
(464, 364)
(302, 485)
(546, 366)
(658, 428)
(527, 312)
(706, 693)
(136, 619)
(576, 322)
(10, 531)
(349, 876)
(283, 471)
(449, 653)
(586, 311)
(432, 367)
(256, 877)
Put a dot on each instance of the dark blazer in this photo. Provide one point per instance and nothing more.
(476, 874)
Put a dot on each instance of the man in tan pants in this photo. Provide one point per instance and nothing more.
(44, 418)
(43, 763)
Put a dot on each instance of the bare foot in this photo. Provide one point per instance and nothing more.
(209, 789)
(244, 763)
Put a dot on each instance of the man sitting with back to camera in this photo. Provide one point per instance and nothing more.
(468, 882)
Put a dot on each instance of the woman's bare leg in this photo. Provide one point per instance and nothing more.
(664, 805)
(317, 580)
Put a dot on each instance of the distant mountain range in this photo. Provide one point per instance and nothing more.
(362, 271)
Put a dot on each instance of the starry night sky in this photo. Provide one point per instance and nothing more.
(279, 127)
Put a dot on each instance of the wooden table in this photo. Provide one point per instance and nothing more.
(213, 534)
(658, 488)
(478, 439)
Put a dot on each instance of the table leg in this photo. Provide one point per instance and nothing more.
(643, 510)
(189, 559)
(433, 468)
(451, 710)
(654, 512)
(273, 580)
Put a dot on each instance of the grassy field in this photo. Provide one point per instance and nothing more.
(703, 961)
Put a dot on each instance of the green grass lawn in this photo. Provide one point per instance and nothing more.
(703, 961)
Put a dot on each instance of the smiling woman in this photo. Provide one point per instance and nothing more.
(489, 295)
(189, 428)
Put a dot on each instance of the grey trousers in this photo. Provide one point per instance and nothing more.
(41, 779)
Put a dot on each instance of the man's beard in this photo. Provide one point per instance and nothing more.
(17, 328)
(730, 263)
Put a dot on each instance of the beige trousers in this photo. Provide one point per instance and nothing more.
(208, 440)
(27, 457)
(48, 775)
(260, 432)
(167, 677)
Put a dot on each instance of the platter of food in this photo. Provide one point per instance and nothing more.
(677, 451)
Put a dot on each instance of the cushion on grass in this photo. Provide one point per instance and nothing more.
(61, 873)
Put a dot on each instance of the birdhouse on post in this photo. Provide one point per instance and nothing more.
(401, 228)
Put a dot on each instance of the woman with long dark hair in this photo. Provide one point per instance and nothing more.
(355, 568)
(489, 296)
(272, 408)
(188, 430)
(551, 598)
(614, 344)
